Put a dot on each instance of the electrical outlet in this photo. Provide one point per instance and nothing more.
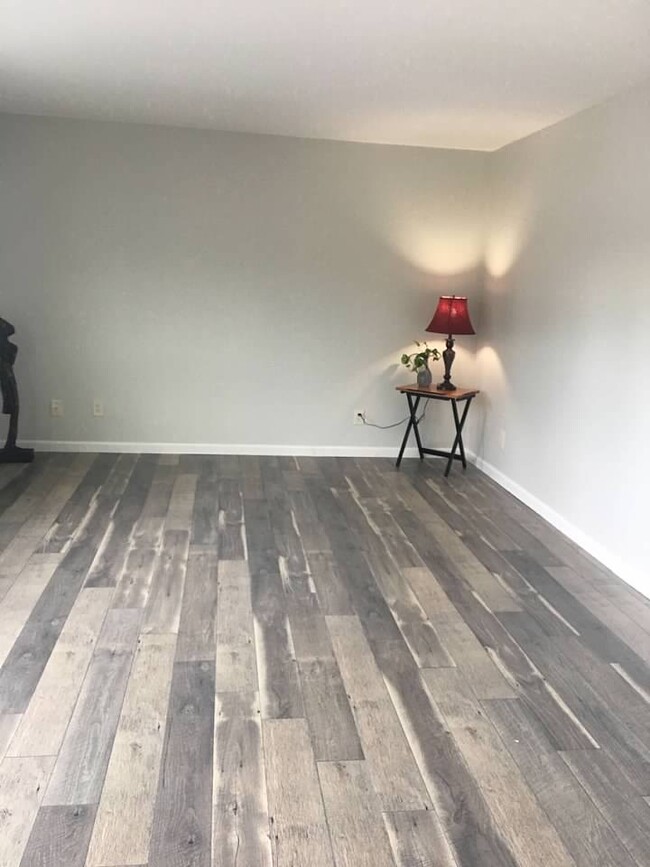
(98, 408)
(359, 416)
(56, 408)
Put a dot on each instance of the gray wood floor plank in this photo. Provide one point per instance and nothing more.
(112, 554)
(205, 516)
(241, 836)
(617, 800)
(9, 723)
(22, 784)
(80, 768)
(578, 680)
(235, 643)
(506, 650)
(29, 655)
(181, 504)
(197, 629)
(71, 517)
(163, 611)
(407, 612)
(468, 824)
(8, 472)
(391, 764)
(333, 596)
(380, 518)
(327, 708)
(299, 835)
(19, 498)
(417, 840)
(182, 821)
(312, 535)
(21, 600)
(519, 817)
(46, 718)
(147, 560)
(357, 832)
(594, 633)
(31, 535)
(299, 588)
(60, 837)
(470, 568)
(280, 693)
(231, 540)
(366, 597)
(584, 831)
(124, 817)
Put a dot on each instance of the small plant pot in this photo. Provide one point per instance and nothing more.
(424, 378)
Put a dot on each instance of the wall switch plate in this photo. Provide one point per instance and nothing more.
(56, 408)
(98, 408)
(359, 416)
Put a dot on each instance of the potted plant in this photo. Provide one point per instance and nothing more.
(419, 362)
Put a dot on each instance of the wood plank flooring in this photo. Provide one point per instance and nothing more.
(310, 662)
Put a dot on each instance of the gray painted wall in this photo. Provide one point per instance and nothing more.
(225, 289)
(243, 291)
(563, 353)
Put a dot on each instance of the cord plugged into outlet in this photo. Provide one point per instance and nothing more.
(360, 418)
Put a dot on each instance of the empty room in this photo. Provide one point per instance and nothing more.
(324, 432)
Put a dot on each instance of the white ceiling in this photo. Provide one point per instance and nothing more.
(445, 73)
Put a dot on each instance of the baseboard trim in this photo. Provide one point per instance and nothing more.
(219, 449)
(600, 552)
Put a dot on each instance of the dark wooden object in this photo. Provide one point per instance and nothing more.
(11, 453)
(414, 394)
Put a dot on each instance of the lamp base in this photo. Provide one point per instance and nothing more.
(448, 358)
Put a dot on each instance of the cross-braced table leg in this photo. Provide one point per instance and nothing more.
(413, 423)
(458, 442)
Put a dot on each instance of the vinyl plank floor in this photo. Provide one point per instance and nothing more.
(78, 775)
(417, 839)
(182, 819)
(60, 837)
(241, 834)
(124, 815)
(46, 718)
(358, 835)
(253, 661)
(299, 835)
(22, 784)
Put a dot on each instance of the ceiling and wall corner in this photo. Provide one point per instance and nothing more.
(472, 74)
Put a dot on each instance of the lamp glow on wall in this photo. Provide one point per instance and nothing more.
(451, 317)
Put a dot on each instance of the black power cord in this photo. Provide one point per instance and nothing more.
(395, 424)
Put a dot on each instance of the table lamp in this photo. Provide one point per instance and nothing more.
(451, 317)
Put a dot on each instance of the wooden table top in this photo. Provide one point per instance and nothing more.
(440, 394)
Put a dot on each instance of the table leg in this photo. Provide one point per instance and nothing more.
(458, 442)
(416, 427)
(413, 423)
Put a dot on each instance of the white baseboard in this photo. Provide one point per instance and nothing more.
(597, 550)
(219, 449)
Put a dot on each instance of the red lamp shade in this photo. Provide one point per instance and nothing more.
(451, 316)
